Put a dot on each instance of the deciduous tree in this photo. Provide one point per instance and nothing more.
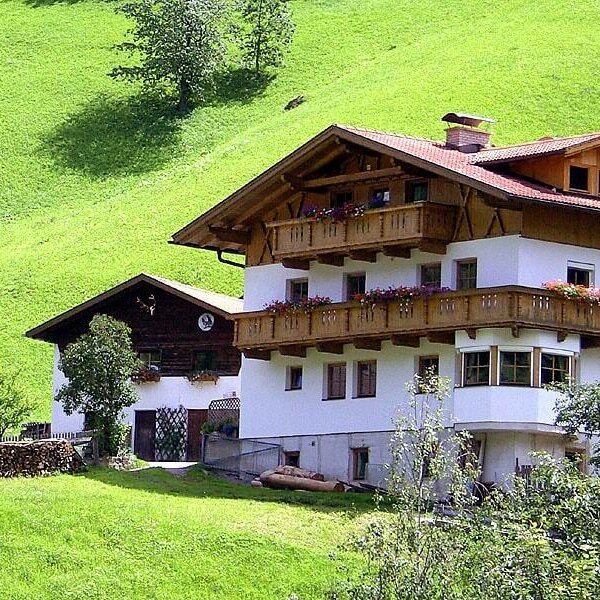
(15, 407)
(98, 367)
(179, 44)
(265, 33)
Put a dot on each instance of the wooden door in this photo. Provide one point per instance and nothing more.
(196, 418)
(145, 434)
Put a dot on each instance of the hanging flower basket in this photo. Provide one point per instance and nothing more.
(279, 307)
(570, 291)
(335, 214)
(146, 375)
(200, 376)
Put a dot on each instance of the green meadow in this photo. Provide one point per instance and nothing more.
(94, 177)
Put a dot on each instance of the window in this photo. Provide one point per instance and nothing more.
(476, 370)
(340, 198)
(150, 358)
(355, 284)
(578, 178)
(555, 368)
(291, 459)
(297, 290)
(416, 191)
(205, 360)
(336, 381)
(431, 275)
(466, 274)
(515, 368)
(379, 198)
(427, 366)
(576, 456)
(580, 275)
(294, 378)
(366, 378)
(360, 460)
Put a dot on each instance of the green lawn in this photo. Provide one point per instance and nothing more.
(149, 535)
(94, 179)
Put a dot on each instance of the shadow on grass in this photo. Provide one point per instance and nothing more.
(42, 3)
(117, 136)
(196, 483)
(240, 86)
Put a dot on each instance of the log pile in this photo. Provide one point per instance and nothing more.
(44, 457)
(293, 478)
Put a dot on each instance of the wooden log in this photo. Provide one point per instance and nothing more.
(277, 481)
(298, 472)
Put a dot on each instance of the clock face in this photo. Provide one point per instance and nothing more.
(206, 321)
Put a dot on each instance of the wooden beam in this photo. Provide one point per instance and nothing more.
(432, 246)
(367, 344)
(237, 236)
(296, 263)
(293, 350)
(297, 183)
(441, 337)
(590, 341)
(257, 354)
(412, 341)
(330, 347)
(516, 331)
(364, 255)
(353, 177)
(397, 251)
(337, 260)
(561, 336)
(472, 333)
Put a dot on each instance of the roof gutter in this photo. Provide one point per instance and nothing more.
(226, 261)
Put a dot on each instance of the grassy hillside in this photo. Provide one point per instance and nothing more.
(148, 535)
(95, 179)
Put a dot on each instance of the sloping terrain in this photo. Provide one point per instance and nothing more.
(95, 178)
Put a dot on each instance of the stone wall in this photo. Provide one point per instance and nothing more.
(43, 457)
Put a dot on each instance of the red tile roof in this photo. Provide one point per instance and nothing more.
(531, 149)
(438, 155)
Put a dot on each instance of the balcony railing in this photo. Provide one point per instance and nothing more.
(426, 225)
(403, 322)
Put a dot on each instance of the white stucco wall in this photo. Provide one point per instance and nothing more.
(169, 391)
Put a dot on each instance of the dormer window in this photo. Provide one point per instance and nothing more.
(578, 178)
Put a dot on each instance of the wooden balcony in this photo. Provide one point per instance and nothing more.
(403, 323)
(393, 231)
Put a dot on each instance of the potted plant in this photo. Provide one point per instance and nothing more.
(200, 376)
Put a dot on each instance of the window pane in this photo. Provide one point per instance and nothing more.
(555, 368)
(578, 178)
(466, 272)
(355, 284)
(579, 276)
(431, 274)
(515, 368)
(205, 360)
(379, 198)
(366, 378)
(298, 290)
(340, 198)
(336, 381)
(295, 378)
(416, 191)
(477, 368)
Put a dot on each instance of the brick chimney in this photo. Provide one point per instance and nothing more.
(466, 134)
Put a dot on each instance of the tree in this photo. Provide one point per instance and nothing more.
(578, 408)
(15, 407)
(179, 43)
(266, 31)
(98, 367)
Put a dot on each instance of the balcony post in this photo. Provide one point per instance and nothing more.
(310, 234)
(309, 316)
(273, 327)
(381, 225)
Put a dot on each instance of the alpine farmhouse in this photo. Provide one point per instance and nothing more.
(183, 336)
(484, 226)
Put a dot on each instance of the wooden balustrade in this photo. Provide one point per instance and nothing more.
(409, 226)
(512, 306)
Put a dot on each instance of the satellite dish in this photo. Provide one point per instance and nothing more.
(206, 321)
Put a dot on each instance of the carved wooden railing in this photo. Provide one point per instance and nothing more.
(399, 225)
(443, 312)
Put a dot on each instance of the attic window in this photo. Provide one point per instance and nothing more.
(578, 178)
(416, 191)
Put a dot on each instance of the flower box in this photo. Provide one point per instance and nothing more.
(146, 375)
(203, 376)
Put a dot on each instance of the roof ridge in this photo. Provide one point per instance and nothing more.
(194, 287)
(394, 134)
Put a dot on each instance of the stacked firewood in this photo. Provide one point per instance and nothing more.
(44, 457)
(294, 478)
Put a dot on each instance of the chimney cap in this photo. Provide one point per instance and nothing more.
(466, 119)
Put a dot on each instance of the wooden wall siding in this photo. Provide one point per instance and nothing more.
(173, 329)
(548, 170)
(402, 322)
(561, 225)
